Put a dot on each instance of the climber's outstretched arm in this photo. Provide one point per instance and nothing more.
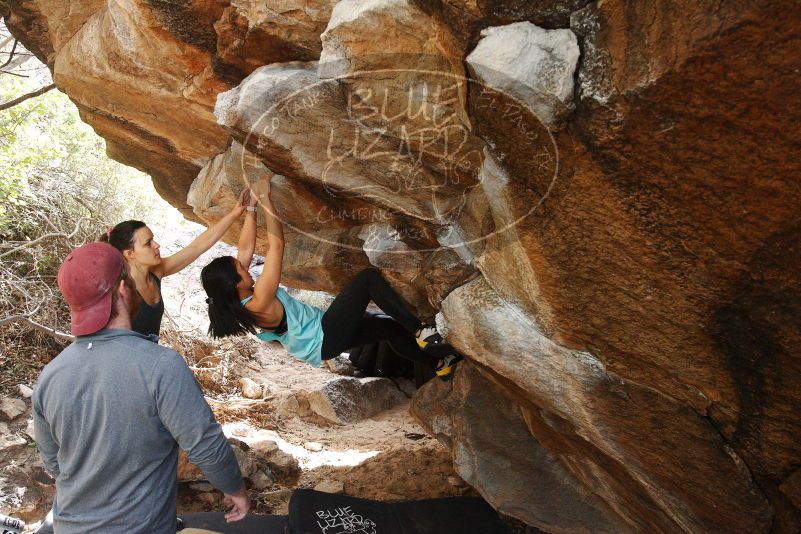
(202, 243)
(267, 284)
(247, 237)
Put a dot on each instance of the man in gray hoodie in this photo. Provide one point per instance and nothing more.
(111, 411)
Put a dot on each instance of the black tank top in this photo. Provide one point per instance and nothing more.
(148, 319)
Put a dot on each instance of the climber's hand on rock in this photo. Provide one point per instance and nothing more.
(252, 199)
(244, 200)
(240, 503)
(262, 188)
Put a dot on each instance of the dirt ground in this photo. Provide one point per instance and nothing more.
(388, 457)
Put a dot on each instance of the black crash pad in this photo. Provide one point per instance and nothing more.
(314, 512)
(250, 524)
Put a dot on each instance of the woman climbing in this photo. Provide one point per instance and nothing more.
(237, 305)
(135, 240)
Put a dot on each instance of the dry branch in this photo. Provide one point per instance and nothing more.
(42, 328)
(10, 55)
(23, 98)
(61, 235)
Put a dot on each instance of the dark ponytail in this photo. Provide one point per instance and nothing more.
(121, 236)
(227, 315)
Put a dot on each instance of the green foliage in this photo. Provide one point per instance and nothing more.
(47, 154)
(56, 181)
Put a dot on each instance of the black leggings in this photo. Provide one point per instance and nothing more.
(345, 326)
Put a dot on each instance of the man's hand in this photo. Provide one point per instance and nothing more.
(244, 200)
(240, 502)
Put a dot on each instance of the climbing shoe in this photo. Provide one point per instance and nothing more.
(446, 366)
(428, 334)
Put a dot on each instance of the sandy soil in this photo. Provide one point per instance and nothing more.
(388, 457)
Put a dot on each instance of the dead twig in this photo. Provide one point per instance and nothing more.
(23, 98)
(61, 235)
(10, 55)
(14, 74)
(63, 336)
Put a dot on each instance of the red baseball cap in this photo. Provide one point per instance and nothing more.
(86, 279)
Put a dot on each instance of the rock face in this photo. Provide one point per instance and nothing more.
(577, 398)
(526, 481)
(533, 65)
(600, 200)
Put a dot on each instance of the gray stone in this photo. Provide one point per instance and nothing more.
(407, 386)
(282, 466)
(293, 405)
(347, 400)
(29, 430)
(10, 408)
(264, 448)
(251, 389)
(10, 441)
(533, 65)
(341, 366)
(330, 486)
(261, 480)
(246, 462)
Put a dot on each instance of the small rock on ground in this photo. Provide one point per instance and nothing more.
(10, 408)
(330, 486)
(250, 389)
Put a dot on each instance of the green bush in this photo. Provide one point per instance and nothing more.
(56, 181)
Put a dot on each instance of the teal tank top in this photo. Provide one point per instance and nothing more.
(303, 338)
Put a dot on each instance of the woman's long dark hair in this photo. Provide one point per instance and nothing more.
(227, 315)
(121, 236)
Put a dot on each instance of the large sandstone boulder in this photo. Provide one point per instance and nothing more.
(145, 74)
(590, 401)
(612, 239)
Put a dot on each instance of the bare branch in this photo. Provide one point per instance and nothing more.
(42, 328)
(10, 55)
(14, 74)
(85, 205)
(48, 221)
(23, 98)
(59, 235)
